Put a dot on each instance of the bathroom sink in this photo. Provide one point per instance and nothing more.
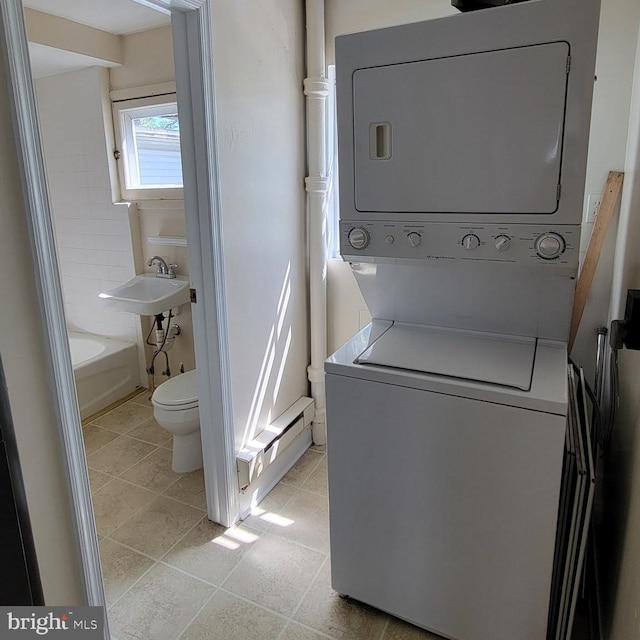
(148, 295)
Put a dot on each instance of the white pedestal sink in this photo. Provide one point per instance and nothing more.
(148, 295)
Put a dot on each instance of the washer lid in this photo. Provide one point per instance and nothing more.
(469, 355)
(179, 391)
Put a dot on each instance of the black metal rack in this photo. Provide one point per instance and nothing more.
(576, 502)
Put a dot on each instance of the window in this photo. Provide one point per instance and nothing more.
(333, 210)
(149, 162)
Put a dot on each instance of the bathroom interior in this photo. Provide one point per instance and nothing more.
(159, 550)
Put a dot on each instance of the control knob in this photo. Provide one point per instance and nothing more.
(550, 245)
(471, 242)
(359, 238)
(414, 239)
(503, 243)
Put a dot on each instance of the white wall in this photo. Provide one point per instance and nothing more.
(617, 39)
(258, 49)
(166, 218)
(27, 372)
(62, 35)
(148, 59)
(94, 236)
(618, 513)
(619, 517)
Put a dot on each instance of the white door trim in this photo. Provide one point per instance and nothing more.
(29, 149)
(192, 43)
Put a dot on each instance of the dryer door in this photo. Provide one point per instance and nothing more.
(477, 133)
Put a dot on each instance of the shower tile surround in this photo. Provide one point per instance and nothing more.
(95, 238)
(171, 573)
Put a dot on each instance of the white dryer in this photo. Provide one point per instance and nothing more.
(445, 457)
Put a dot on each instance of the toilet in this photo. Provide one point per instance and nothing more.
(175, 408)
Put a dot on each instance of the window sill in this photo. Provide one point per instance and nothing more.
(134, 195)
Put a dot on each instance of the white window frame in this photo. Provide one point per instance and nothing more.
(125, 143)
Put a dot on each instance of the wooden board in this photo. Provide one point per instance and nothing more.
(610, 197)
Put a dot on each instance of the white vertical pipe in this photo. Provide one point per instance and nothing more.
(316, 89)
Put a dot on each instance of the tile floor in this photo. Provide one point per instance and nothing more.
(171, 573)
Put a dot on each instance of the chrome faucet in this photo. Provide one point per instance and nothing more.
(164, 270)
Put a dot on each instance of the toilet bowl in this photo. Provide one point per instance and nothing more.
(175, 408)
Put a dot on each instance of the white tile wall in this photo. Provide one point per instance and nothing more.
(93, 235)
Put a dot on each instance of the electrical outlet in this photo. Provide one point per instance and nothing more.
(593, 206)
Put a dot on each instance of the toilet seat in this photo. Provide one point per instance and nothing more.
(177, 394)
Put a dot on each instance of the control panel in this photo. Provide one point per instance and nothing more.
(525, 245)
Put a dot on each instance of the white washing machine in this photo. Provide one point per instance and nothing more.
(462, 148)
(445, 456)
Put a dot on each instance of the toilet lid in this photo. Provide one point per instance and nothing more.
(178, 392)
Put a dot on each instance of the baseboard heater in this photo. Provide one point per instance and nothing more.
(260, 452)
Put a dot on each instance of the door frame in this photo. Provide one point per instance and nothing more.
(195, 88)
(192, 32)
(37, 206)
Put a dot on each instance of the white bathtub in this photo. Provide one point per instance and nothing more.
(105, 370)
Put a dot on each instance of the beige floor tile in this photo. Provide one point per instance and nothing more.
(295, 631)
(267, 512)
(118, 456)
(150, 431)
(274, 573)
(189, 489)
(317, 481)
(159, 606)
(168, 444)
(97, 479)
(302, 469)
(116, 502)
(210, 551)
(124, 417)
(226, 617)
(121, 567)
(143, 398)
(305, 519)
(153, 472)
(323, 609)
(95, 437)
(400, 630)
(158, 526)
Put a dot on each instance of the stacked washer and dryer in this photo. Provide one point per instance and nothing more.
(462, 152)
